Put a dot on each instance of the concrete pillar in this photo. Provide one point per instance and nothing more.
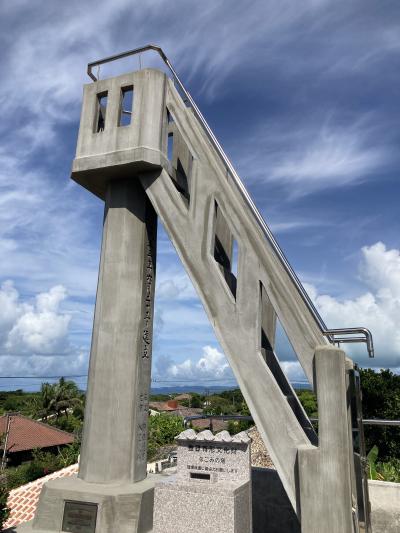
(325, 472)
(114, 447)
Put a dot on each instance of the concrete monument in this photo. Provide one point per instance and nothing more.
(212, 487)
(144, 152)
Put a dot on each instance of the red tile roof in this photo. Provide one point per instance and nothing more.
(23, 500)
(28, 434)
(178, 410)
(161, 406)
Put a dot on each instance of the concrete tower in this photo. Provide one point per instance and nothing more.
(119, 137)
(143, 151)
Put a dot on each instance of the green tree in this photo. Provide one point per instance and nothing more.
(381, 399)
(196, 401)
(217, 405)
(44, 404)
(308, 400)
(237, 402)
(66, 397)
(163, 429)
(57, 399)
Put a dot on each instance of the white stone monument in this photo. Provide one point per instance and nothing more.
(211, 491)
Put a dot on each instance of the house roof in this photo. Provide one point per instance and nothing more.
(161, 406)
(27, 434)
(183, 396)
(23, 500)
(177, 409)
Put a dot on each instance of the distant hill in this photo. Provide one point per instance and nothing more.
(202, 389)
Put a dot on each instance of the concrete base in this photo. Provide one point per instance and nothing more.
(272, 510)
(385, 503)
(202, 507)
(124, 508)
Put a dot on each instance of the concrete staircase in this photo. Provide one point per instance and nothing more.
(207, 219)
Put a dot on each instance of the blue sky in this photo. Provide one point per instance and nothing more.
(304, 97)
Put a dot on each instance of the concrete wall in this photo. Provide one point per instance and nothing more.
(385, 504)
(272, 510)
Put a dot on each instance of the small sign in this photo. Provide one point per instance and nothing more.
(79, 517)
(209, 458)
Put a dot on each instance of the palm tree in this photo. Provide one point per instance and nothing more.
(66, 396)
(45, 402)
(57, 398)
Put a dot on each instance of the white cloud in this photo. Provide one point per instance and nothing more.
(293, 371)
(174, 284)
(377, 309)
(381, 270)
(212, 364)
(10, 308)
(35, 336)
(33, 329)
(41, 329)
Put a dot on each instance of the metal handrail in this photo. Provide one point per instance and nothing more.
(365, 421)
(267, 232)
(364, 331)
(379, 422)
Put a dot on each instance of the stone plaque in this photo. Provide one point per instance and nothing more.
(79, 517)
(213, 458)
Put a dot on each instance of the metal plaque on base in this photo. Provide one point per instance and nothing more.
(79, 517)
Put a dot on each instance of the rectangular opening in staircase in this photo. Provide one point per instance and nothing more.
(226, 250)
(235, 258)
(272, 338)
(100, 114)
(170, 136)
(181, 181)
(170, 146)
(180, 158)
(126, 106)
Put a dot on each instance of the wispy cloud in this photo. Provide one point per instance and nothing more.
(309, 157)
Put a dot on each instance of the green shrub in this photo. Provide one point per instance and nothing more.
(22, 474)
(383, 471)
(4, 510)
(236, 426)
(163, 429)
(70, 423)
(43, 463)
